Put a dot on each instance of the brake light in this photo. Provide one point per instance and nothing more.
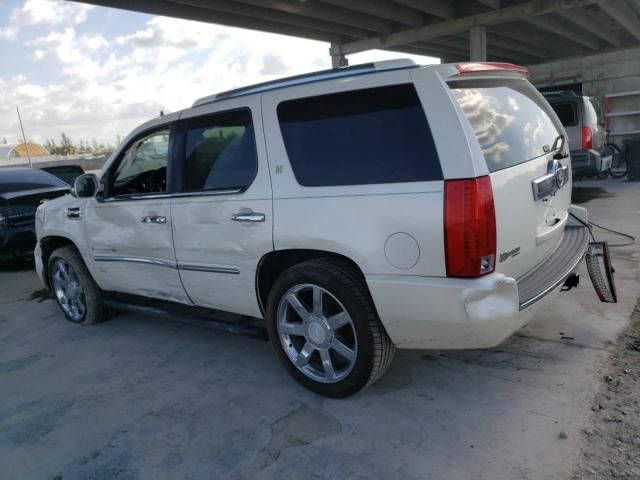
(491, 66)
(469, 227)
(587, 138)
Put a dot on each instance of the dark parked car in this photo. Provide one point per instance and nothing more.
(21, 191)
(66, 173)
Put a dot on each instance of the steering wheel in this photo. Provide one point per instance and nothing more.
(158, 180)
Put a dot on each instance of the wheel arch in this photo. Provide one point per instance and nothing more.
(48, 245)
(274, 263)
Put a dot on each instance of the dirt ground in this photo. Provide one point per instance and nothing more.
(612, 442)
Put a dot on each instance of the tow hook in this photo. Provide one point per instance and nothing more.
(572, 281)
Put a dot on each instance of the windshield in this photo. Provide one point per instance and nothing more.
(510, 124)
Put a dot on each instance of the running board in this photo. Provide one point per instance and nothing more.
(198, 316)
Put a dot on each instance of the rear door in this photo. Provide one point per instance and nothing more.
(222, 217)
(516, 129)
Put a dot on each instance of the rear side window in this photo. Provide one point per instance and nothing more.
(566, 113)
(22, 180)
(220, 152)
(510, 123)
(371, 136)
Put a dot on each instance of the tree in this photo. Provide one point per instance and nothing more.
(66, 145)
(3, 141)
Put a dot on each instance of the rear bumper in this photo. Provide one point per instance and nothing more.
(589, 162)
(445, 313)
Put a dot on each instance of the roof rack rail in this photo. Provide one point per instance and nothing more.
(561, 93)
(318, 76)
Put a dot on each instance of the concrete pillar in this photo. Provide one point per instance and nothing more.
(338, 59)
(478, 44)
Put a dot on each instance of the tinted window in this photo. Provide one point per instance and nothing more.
(378, 135)
(566, 113)
(220, 152)
(21, 180)
(143, 168)
(509, 123)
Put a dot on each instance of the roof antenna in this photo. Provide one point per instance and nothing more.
(162, 113)
(24, 138)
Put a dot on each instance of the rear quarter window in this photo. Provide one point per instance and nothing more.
(510, 123)
(369, 136)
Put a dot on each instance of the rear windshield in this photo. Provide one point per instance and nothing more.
(22, 180)
(566, 113)
(510, 124)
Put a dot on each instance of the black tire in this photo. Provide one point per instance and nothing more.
(375, 349)
(95, 310)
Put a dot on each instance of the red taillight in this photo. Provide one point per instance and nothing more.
(587, 138)
(469, 227)
(491, 66)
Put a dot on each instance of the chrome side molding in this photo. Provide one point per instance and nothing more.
(228, 269)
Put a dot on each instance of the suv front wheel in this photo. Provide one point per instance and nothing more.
(325, 330)
(73, 288)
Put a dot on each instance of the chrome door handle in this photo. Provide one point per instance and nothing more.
(248, 217)
(74, 213)
(154, 219)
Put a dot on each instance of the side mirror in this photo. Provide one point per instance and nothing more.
(85, 186)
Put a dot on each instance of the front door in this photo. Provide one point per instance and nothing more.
(129, 226)
(222, 218)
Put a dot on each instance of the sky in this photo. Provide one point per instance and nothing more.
(95, 72)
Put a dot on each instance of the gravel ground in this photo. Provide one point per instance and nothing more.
(612, 442)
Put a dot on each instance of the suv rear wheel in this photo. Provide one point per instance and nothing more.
(324, 328)
(73, 288)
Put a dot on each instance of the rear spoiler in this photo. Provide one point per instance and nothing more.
(491, 67)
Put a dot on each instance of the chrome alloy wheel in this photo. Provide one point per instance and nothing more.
(317, 333)
(68, 290)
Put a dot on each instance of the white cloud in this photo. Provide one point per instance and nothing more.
(93, 42)
(112, 84)
(51, 12)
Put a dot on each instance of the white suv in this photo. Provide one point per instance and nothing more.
(355, 210)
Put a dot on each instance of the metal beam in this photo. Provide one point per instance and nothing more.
(495, 4)
(622, 13)
(557, 26)
(494, 17)
(188, 12)
(635, 4)
(327, 13)
(461, 42)
(584, 20)
(437, 8)
(382, 9)
(527, 48)
(275, 16)
(547, 40)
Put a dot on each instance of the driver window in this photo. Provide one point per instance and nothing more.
(143, 168)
